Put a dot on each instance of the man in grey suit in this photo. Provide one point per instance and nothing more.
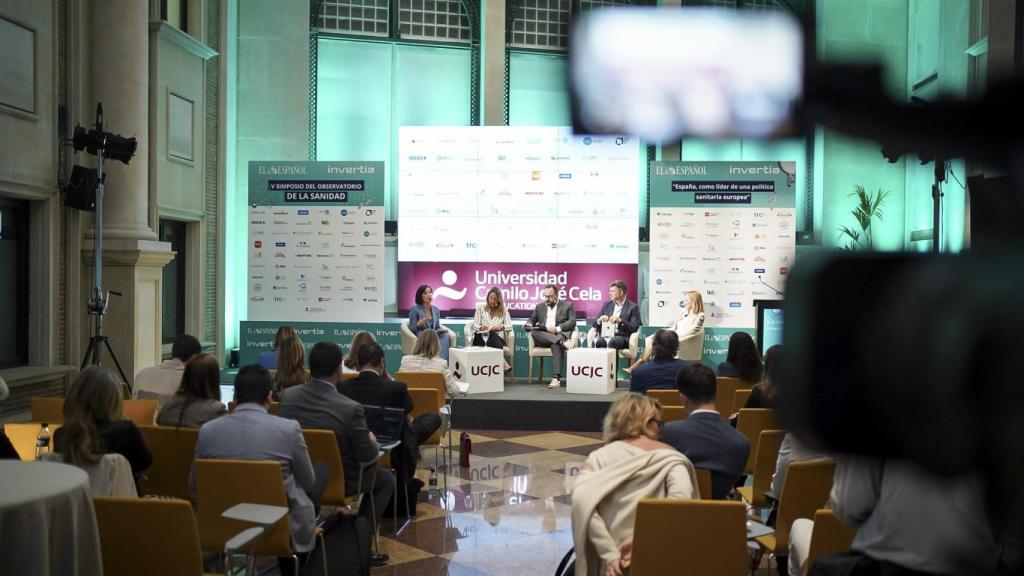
(318, 404)
(707, 440)
(251, 433)
(550, 326)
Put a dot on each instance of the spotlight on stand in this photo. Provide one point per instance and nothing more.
(96, 141)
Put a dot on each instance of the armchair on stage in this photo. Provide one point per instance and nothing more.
(627, 353)
(409, 339)
(510, 344)
(691, 348)
(542, 353)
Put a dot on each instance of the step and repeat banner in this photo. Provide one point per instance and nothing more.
(726, 229)
(316, 241)
(516, 208)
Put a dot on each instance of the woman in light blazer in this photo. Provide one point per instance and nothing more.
(491, 321)
(424, 316)
(424, 359)
(689, 323)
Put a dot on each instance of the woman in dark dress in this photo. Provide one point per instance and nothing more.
(742, 360)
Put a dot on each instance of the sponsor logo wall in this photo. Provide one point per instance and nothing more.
(316, 241)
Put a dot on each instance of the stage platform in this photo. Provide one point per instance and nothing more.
(533, 407)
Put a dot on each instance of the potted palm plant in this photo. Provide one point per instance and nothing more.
(868, 208)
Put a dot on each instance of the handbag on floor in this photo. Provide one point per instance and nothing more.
(348, 540)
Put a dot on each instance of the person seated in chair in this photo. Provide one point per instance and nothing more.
(165, 378)
(551, 326)
(623, 313)
(660, 372)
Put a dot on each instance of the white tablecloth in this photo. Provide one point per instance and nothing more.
(47, 522)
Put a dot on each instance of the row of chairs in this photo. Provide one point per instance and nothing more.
(731, 395)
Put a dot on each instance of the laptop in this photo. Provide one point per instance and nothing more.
(386, 424)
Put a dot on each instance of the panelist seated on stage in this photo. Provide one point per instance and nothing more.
(622, 313)
(688, 324)
(660, 372)
(551, 325)
(426, 316)
(491, 321)
(424, 358)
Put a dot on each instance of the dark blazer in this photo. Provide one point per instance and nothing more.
(712, 444)
(658, 374)
(565, 316)
(121, 437)
(630, 317)
(370, 388)
(318, 405)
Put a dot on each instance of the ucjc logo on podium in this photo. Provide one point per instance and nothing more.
(588, 371)
(492, 370)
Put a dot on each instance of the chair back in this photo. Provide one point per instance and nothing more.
(433, 380)
(691, 348)
(726, 390)
(673, 413)
(666, 397)
(141, 412)
(350, 375)
(423, 402)
(221, 484)
(828, 537)
(111, 476)
(173, 450)
(158, 537)
(408, 338)
(705, 537)
(750, 423)
(275, 407)
(47, 409)
(704, 483)
(323, 446)
(765, 455)
(23, 436)
(805, 489)
(739, 400)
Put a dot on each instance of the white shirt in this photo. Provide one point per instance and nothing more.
(618, 309)
(549, 322)
(160, 380)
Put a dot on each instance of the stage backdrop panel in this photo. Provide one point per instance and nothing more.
(316, 241)
(517, 208)
(727, 229)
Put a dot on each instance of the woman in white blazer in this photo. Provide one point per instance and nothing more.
(491, 321)
(425, 358)
(689, 323)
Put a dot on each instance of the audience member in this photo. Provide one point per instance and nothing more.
(268, 359)
(424, 358)
(688, 324)
(660, 372)
(318, 405)
(631, 466)
(351, 363)
(621, 312)
(198, 398)
(705, 439)
(491, 321)
(165, 378)
(94, 424)
(372, 388)
(290, 370)
(762, 394)
(7, 451)
(742, 359)
(252, 433)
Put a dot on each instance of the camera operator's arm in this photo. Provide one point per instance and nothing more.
(856, 488)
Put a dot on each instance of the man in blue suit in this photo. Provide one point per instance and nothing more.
(623, 313)
(660, 372)
(704, 437)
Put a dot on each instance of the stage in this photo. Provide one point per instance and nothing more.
(533, 407)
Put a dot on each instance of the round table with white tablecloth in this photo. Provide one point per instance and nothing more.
(47, 522)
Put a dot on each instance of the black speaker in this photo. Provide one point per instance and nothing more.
(80, 193)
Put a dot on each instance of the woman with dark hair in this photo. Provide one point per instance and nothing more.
(268, 359)
(426, 316)
(491, 322)
(94, 424)
(290, 370)
(198, 398)
(762, 395)
(742, 360)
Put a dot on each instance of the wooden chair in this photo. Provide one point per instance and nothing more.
(141, 412)
(423, 402)
(433, 380)
(323, 445)
(828, 537)
(274, 407)
(158, 537)
(726, 390)
(766, 453)
(805, 489)
(350, 375)
(47, 409)
(23, 436)
(750, 423)
(666, 397)
(704, 483)
(673, 413)
(533, 352)
(173, 450)
(700, 536)
(221, 484)
(739, 399)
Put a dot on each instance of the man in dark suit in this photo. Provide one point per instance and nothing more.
(372, 388)
(623, 313)
(707, 440)
(550, 326)
(660, 372)
(318, 405)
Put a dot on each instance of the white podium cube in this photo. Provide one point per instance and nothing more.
(591, 371)
(481, 367)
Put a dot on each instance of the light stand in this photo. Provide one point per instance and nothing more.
(940, 177)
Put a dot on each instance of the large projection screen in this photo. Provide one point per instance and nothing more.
(517, 208)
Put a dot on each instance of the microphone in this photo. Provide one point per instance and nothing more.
(777, 291)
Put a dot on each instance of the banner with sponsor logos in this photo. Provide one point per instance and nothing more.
(316, 241)
(258, 337)
(726, 229)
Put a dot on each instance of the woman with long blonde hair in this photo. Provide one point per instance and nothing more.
(425, 357)
(688, 324)
(491, 322)
(291, 357)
